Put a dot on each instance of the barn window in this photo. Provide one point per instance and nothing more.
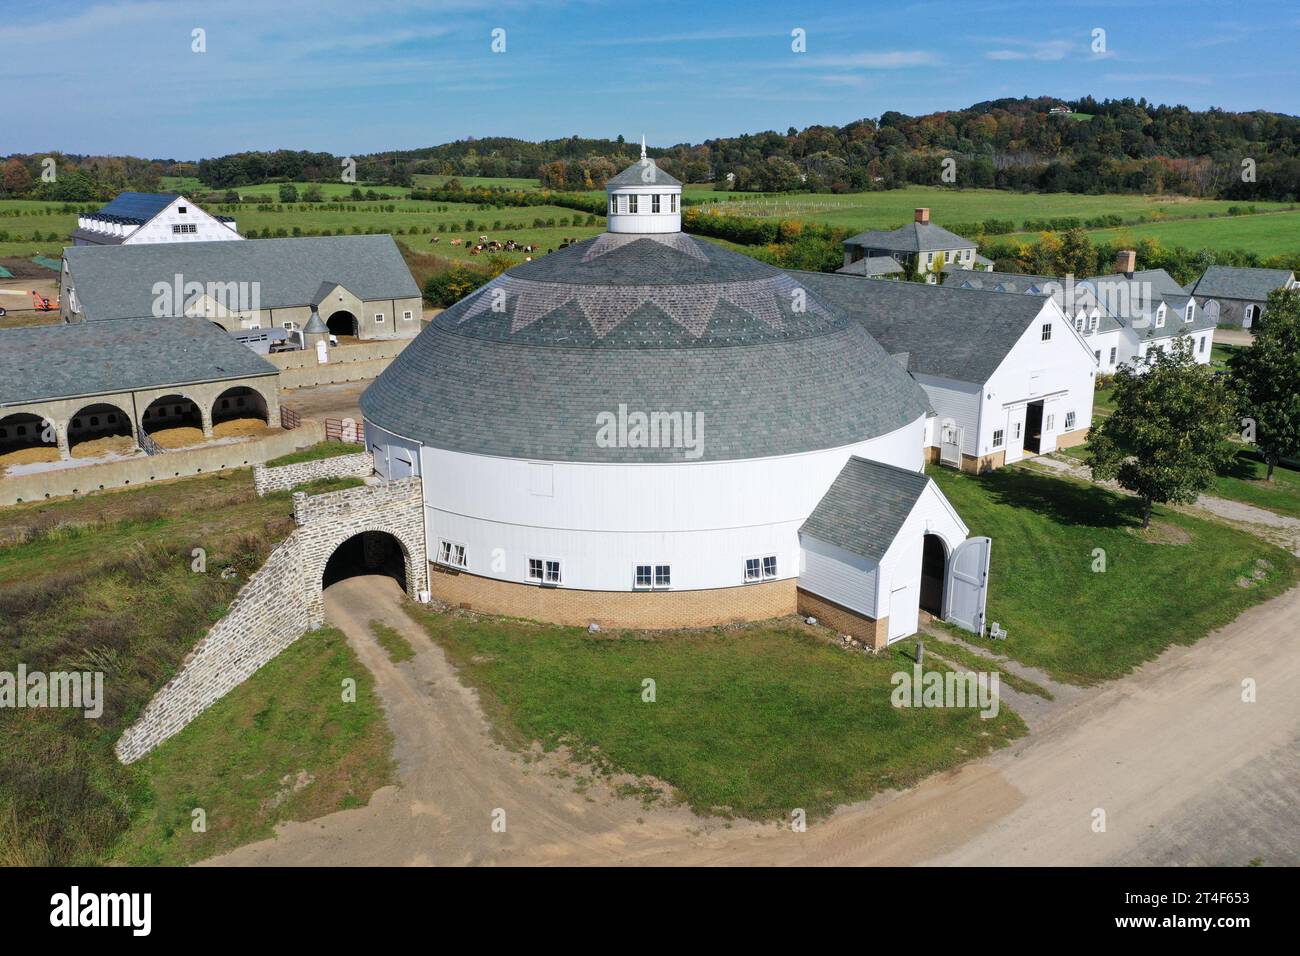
(1191, 311)
(1096, 355)
(643, 577)
(631, 203)
(654, 203)
(1047, 331)
(648, 576)
(758, 569)
(1049, 422)
(1160, 316)
(379, 318)
(1113, 351)
(672, 202)
(406, 316)
(1069, 421)
(449, 552)
(1201, 345)
(663, 575)
(544, 570)
(613, 205)
(997, 438)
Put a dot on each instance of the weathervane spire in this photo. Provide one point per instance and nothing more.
(643, 146)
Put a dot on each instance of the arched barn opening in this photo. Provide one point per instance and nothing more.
(173, 421)
(370, 552)
(100, 429)
(22, 441)
(238, 411)
(934, 565)
(343, 323)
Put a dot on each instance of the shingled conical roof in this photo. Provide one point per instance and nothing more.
(523, 367)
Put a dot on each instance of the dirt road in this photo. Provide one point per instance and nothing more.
(1185, 771)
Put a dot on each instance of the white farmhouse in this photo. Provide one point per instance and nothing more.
(1123, 316)
(139, 218)
(1007, 376)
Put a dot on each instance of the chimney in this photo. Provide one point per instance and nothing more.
(1126, 261)
(923, 215)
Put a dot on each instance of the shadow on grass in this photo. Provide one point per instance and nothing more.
(1064, 502)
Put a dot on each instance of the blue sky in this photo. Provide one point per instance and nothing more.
(358, 76)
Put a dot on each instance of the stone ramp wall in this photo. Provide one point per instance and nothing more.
(282, 601)
(269, 613)
(283, 477)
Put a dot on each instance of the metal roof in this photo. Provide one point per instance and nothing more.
(114, 282)
(42, 363)
(524, 367)
(865, 507)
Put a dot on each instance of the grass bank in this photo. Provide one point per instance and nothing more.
(752, 721)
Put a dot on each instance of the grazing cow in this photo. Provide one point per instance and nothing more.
(435, 239)
(455, 242)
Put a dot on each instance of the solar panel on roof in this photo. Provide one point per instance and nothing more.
(142, 206)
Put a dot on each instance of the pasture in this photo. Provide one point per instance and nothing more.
(1270, 234)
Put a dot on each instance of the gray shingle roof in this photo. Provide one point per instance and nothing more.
(650, 326)
(872, 266)
(644, 172)
(1229, 282)
(1030, 284)
(961, 334)
(114, 282)
(913, 237)
(865, 507)
(92, 358)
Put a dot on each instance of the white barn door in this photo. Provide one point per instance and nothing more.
(950, 444)
(967, 586)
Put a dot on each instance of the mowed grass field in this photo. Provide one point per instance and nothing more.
(1268, 234)
(407, 220)
(1170, 585)
(894, 207)
(748, 721)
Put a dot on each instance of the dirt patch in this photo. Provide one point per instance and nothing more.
(25, 269)
(1162, 532)
(242, 428)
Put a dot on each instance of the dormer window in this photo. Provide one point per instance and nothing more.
(1092, 323)
(1191, 312)
(1160, 316)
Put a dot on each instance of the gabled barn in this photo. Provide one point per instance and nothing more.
(141, 218)
(1007, 376)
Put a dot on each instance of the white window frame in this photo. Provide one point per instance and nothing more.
(407, 315)
(1160, 316)
(654, 202)
(655, 570)
(1191, 312)
(763, 571)
(1049, 422)
(545, 575)
(672, 202)
(999, 436)
(632, 204)
(1070, 419)
(1114, 352)
(379, 318)
(451, 553)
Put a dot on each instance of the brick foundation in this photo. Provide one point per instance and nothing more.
(844, 621)
(633, 609)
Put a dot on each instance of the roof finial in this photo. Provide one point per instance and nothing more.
(643, 147)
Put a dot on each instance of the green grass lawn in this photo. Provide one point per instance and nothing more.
(322, 449)
(282, 746)
(893, 207)
(1170, 586)
(753, 721)
(1244, 482)
(1268, 235)
(1220, 353)
(113, 582)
